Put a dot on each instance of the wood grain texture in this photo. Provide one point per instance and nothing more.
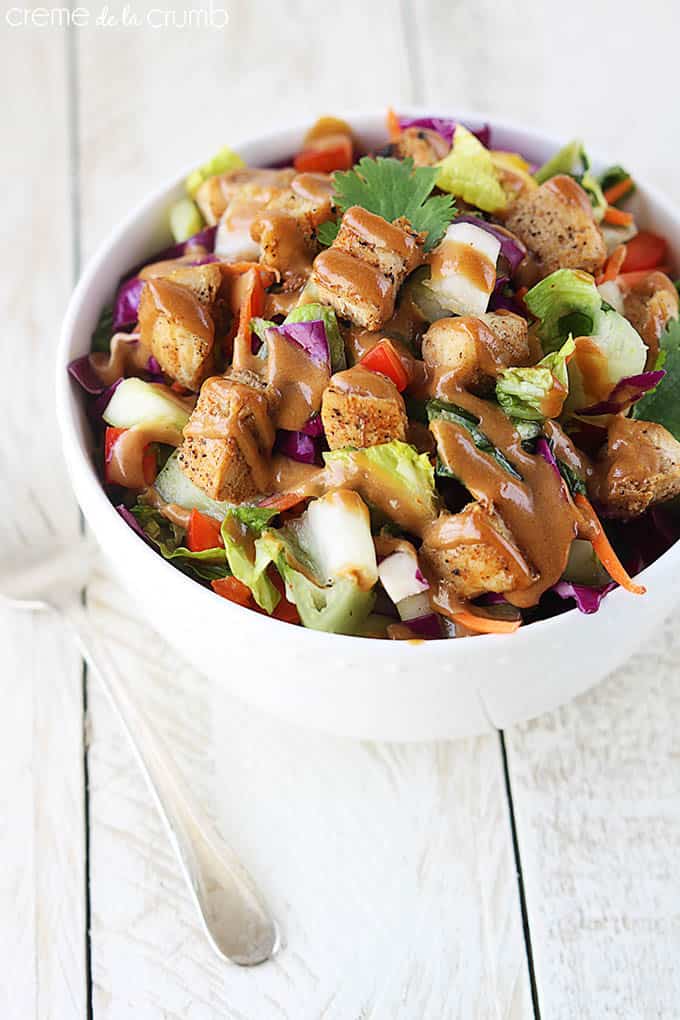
(391, 870)
(595, 785)
(42, 878)
(597, 798)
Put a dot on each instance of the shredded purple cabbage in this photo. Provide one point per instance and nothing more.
(426, 626)
(543, 450)
(445, 127)
(299, 446)
(626, 392)
(126, 304)
(314, 427)
(84, 373)
(133, 523)
(588, 599)
(311, 336)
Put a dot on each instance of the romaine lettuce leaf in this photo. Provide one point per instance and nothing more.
(225, 159)
(327, 559)
(168, 537)
(468, 172)
(568, 302)
(662, 405)
(538, 392)
(240, 529)
(389, 474)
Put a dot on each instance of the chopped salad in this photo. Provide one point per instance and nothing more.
(430, 391)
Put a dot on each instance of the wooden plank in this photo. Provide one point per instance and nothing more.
(595, 785)
(597, 799)
(390, 869)
(42, 883)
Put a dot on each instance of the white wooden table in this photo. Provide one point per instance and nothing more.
(530, 874)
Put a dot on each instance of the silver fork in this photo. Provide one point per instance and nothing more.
(233, 913)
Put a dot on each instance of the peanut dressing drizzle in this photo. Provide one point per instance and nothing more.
(180, 303)
(296, 382)
(537, 510)
(460, 259)
(127, 356)
(126, 464)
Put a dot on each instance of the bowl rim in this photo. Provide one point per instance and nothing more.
(79, 461)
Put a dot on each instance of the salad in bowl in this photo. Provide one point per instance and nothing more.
(418, 390)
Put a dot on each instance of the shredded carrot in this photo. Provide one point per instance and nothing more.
(613, 265)
(618, 190)
(393, 126)
(617, 217)
(282, 501)
(638, 275)
(602, 546)
(485, 624)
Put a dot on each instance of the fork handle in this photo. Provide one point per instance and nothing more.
(233, 913)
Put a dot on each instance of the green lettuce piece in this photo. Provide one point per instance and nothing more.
(563, 162)
(207, 565)
(662, 405)
(378, 472)
(468, 172)
(314, 311)
(566, 302)
(573, 161)
(185, 220)
(225, 159)
(522, 392)
(260, 326)
(337, 606)
(251, 521)
(101, 338)
(438, 409)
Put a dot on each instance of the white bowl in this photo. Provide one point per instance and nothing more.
(386, 690)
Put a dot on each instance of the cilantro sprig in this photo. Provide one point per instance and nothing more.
(662, 405)
(392, 188)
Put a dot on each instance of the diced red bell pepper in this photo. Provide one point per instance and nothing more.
(233, 589)
(203, 532)
(383, 358)
(324, 159)
(644, 251)
(149, 457)
(285, 610)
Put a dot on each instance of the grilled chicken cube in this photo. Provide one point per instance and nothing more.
(473, 552)
(260, 186)
(423, 145)
(229, 438)
(177, 316)
(638, 466)
(362, 408)
(649, 304)
(556, 224)
(472, 348)
(360, 274)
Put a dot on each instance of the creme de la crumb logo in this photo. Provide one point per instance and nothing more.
(210, 16)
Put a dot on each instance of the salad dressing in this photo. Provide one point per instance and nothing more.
(167, 266)
(456, 258)
(127, 356)
(539, 497)
(593, 367)
(296, 382)
(125, 466)
(294, 254)
(378, 233)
